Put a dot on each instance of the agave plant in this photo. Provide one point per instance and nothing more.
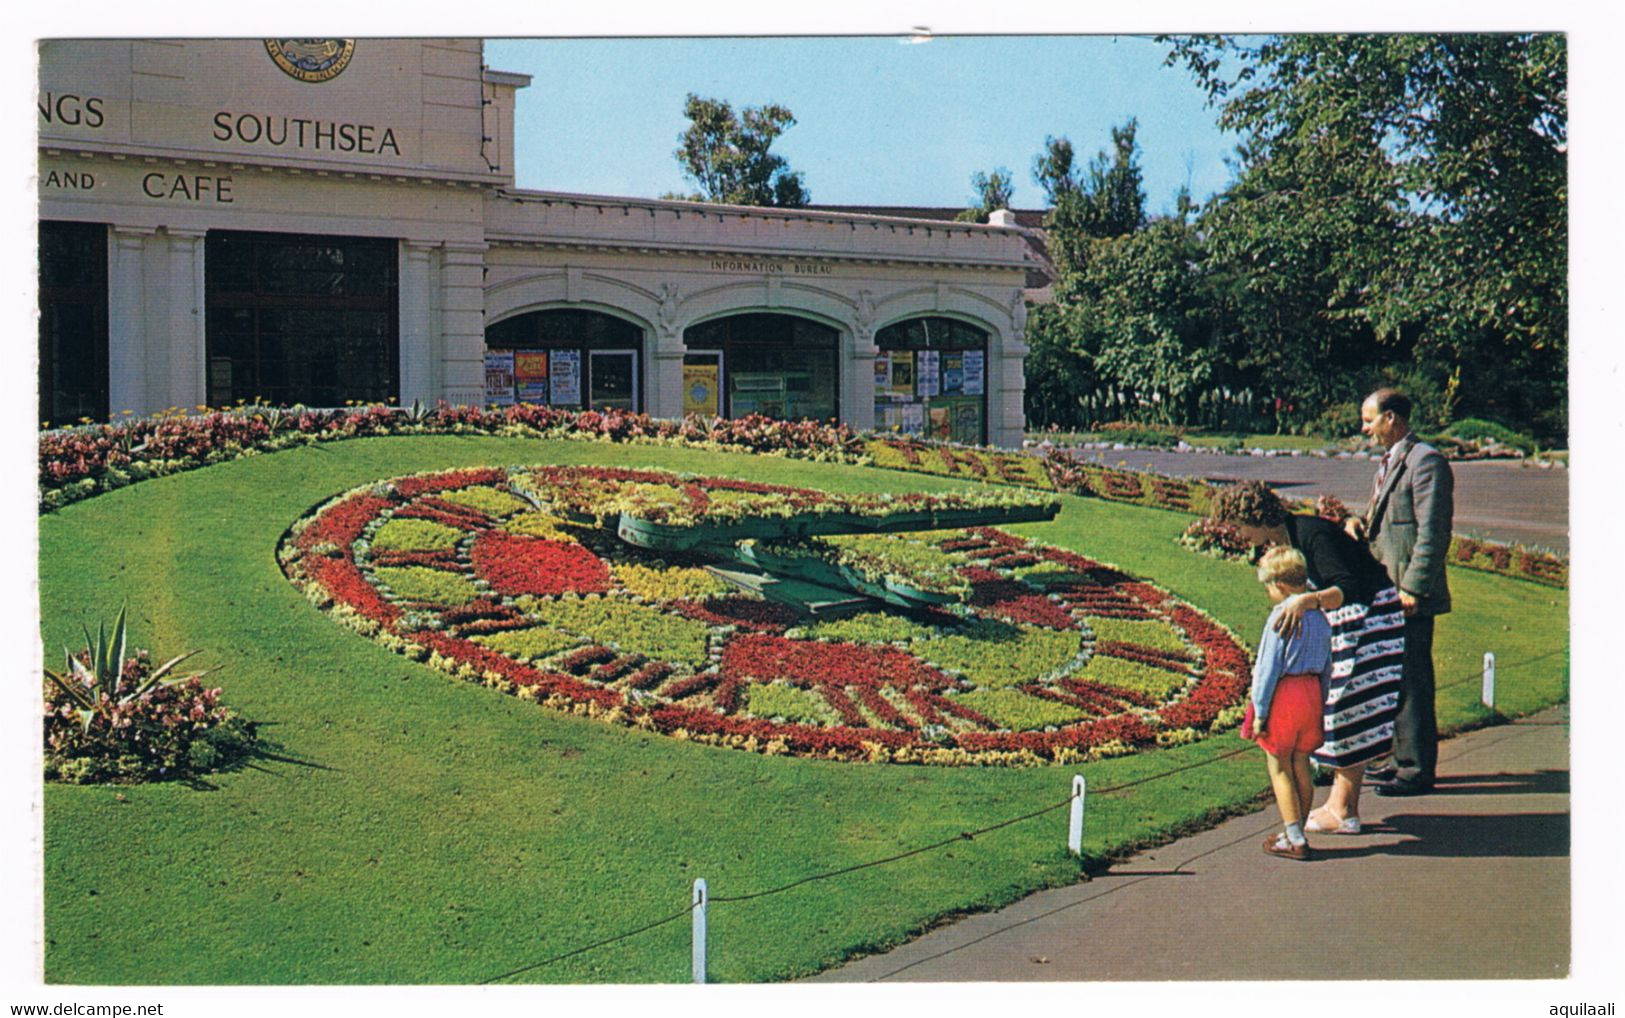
(95, 681)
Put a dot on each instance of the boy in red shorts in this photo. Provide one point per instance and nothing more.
(1290, 680)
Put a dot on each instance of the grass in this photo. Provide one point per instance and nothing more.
(414, 829)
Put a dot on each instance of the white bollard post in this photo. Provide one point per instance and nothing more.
(701, 898)
(1489, 680)
(1074, 837)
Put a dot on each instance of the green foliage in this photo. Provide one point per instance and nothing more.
(1157, 683)
(530, 644)
(997, 654)
(780, 700)
(993, 191)
(420, 583)
(1473, 429)
(414, 535)
(101, 678)
(631, 628)
(1152, 633)
(487, 500)
(1017, 711)
(871, 627)
(727, 155)
(1409, 190)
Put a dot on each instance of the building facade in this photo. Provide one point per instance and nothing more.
(320, 221)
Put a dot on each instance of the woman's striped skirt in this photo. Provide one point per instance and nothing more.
(1368, 655)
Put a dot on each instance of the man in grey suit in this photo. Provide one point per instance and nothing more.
(1408, 524)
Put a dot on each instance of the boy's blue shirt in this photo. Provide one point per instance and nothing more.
(1309, 652)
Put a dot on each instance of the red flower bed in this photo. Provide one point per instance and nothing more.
(342, 524)
(518, 564)
(808, 663)
(412, 487)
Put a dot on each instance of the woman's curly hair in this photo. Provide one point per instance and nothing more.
(1250, 504)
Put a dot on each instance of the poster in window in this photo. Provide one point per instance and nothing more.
(902, 372)
(975, 361)
(913, 418)
(883, 372)
(941, 424)
(701, 391)
(927, 363)
(566, 377)
(498, 377)
(967, 426)
(953, 374)
(530, 375)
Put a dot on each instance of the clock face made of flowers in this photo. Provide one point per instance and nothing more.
(632, 596)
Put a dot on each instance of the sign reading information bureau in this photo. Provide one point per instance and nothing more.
(771, 266)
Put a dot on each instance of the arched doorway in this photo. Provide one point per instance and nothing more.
(777, 365)
(571, 358)
(931, 379)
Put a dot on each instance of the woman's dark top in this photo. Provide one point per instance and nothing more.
(1336, 559)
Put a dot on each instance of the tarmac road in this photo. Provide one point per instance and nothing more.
(1471, 882)
(1505, 500)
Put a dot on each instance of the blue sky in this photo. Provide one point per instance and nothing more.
(879, 121)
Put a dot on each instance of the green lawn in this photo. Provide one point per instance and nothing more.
(414, 829)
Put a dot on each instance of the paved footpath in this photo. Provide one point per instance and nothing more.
(1471, 882)
(1506, 500)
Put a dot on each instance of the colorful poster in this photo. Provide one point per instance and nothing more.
(975, 361)
(927, 363)
(566, 378)
(530, 375)
(953, 374)
(702, 393)
(498, 377)
(902, 372)
(882, 372)
(941, 425)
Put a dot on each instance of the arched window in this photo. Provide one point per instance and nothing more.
(566, 357)
(777, 365)
(931, 379)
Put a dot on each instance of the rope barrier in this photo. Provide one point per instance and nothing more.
(589, 947)
(934, 846)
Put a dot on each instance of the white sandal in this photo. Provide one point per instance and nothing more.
(1348, 825)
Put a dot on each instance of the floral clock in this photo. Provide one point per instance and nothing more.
(515, 577)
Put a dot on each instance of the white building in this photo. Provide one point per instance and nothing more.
(317, 221)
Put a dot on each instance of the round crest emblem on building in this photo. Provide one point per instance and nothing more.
(311, 60)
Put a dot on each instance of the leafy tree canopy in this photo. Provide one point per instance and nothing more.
(993, 191)
(727, 156)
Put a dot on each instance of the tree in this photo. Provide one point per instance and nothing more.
(728, 156)
(1107, 201)
(1053, 169)
(993, 191)
(1459, 151)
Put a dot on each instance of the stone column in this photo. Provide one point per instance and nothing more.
(1007, 379)
(858, 366)
(186, 333)
(663, 370)
(127, 323)
(459, 375)
(417, 325)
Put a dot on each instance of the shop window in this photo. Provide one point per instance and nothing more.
(931, 380)
(566, 358)
(72, 322)
(776, 365)
(301, 319)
